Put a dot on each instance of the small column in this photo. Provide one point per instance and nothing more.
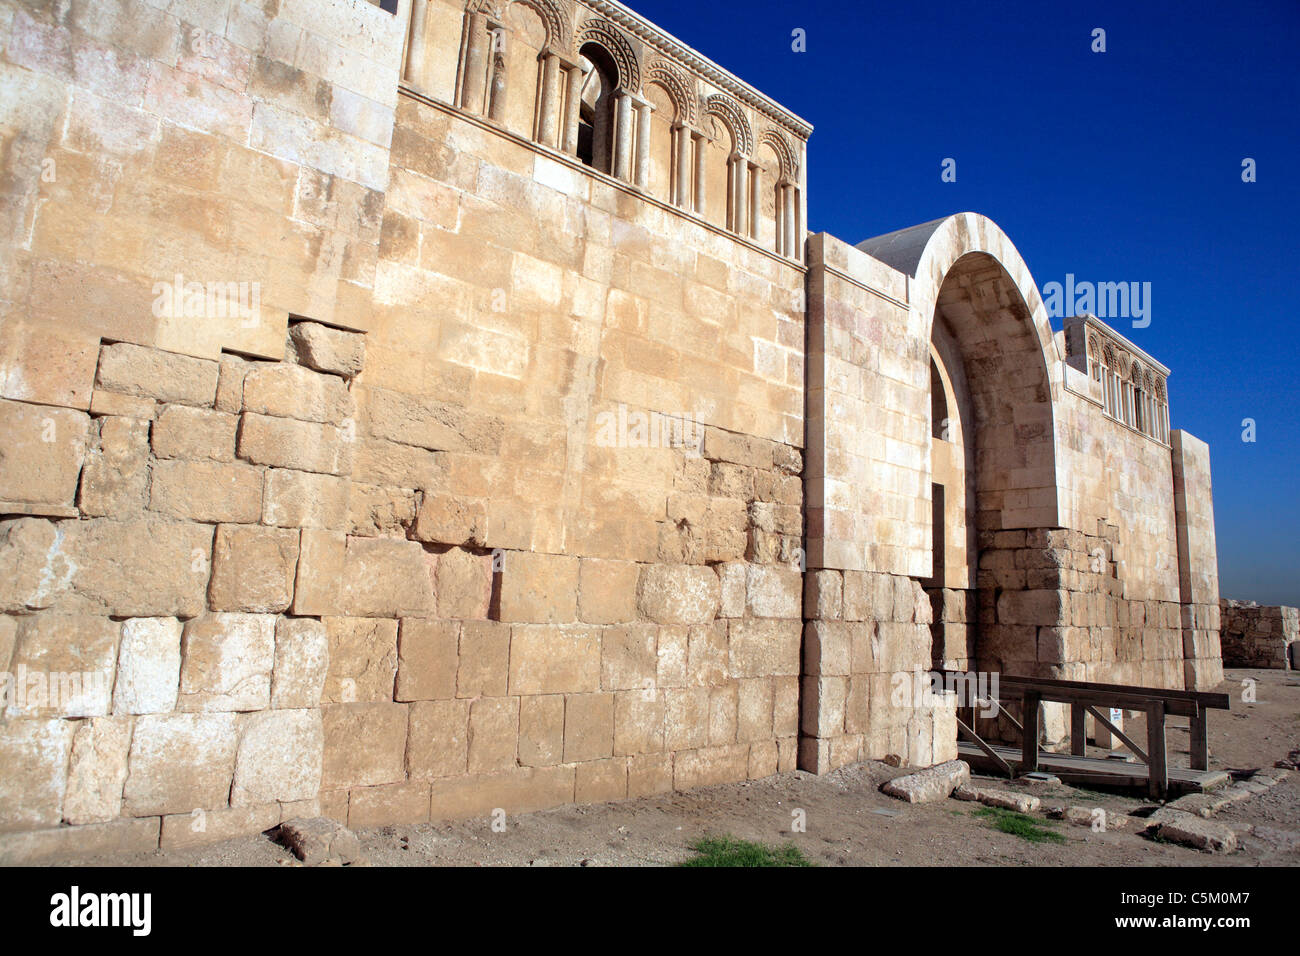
(788, 195)
(497, 90)
(413, 69)
(572, 106)
(701, 153)
(548, 125)
(643, 111)
(682, 144)
(476, 64)
(739, 195)
(780, 220)
(623, 136)
(755, 201)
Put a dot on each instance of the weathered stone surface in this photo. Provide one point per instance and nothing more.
(180, 763)
(378, 512)
(362, 660)
(165, 578)
(774, 591)
(438, 744)
(182, 431)
(206, 490)
(521, 790)
(302, 656)
(1198, 833)
(317, 839)
(320, 571)
(541, 730)
(710, 766)
(328, 350)
(607, 591)
(463, 584)
(181, 831)
(382, 760)
(63, 666)
(148, 666)
(764, 648)
(297, 445)
(302, 499)
(152, 373)
(629, 657)
(42, 454)
(394, 803)
(484, 668)
(539, 588)
(291, 391)
(120, 837)
(34, 754)
(678, 594)
(447, 519)
(227, 662)
(431, 424)
(588, 727)
(279, 757)
(1006, 799)
(493, 733)
(427, 659)
(553, 660)
(253, 569)
(932, 783)
(386, 578)
(97, 770)
(115, 479)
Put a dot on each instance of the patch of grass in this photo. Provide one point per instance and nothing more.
(728, 851)
(1019, 824)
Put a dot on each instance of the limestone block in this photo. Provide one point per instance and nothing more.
(427, 659)
(1006, 799)
(303, 499)
(378, 512)
(386, 578)
(732, 580)
(43, 452)
(463, 583)
(439, 738)
(710, 766)
(724, 703)
(182, 831)
(678, 594)
(672, 665)
(93, 839)
(292, 391)
(588, 727)
(629, 657)
(302, 657)
(639, 722)
(395, 803)
(764, 648)
(754, 711)
(553, 660)
(410, 420)
(539, 588)
(41, 362)
(541, 730)
(328, 350)
(382, 760)
(708, 658)
(227, 660)
(315, 840)
(1043, 608)
(607, 591)
(405, 466)
(363, 659)
(298, 445)
(828, 648)
(601, 781)
(97, 770)
(774, 591)
(63, 666)
(823, 595)
(116, 475)
(117, 405)
(320, 570)
(179, 763)
(484, 668)
(253, 569)
(207, 490)
(1205, 835)
(930, 784)
(34, 754)
(521, 790)
(152, 373)
(165, 578)
(447, 519)
(148, 666)
(230, 383)
(182, 431)
(493, 733)
(279, 757)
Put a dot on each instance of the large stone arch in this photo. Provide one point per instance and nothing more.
(966, 270)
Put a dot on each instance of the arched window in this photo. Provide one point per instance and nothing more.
(596, 112)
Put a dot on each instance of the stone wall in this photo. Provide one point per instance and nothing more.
(1258, 636)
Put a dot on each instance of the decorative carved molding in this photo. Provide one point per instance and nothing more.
(620, 50)
(673, 49)
(725, 108)
(679, 87)
(555, 18)
(785, 154)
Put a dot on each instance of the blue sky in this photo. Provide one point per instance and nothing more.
(1115, 166)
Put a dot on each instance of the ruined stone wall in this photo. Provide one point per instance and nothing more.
(1258, 636)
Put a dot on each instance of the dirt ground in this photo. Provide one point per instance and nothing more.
(849, 822)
